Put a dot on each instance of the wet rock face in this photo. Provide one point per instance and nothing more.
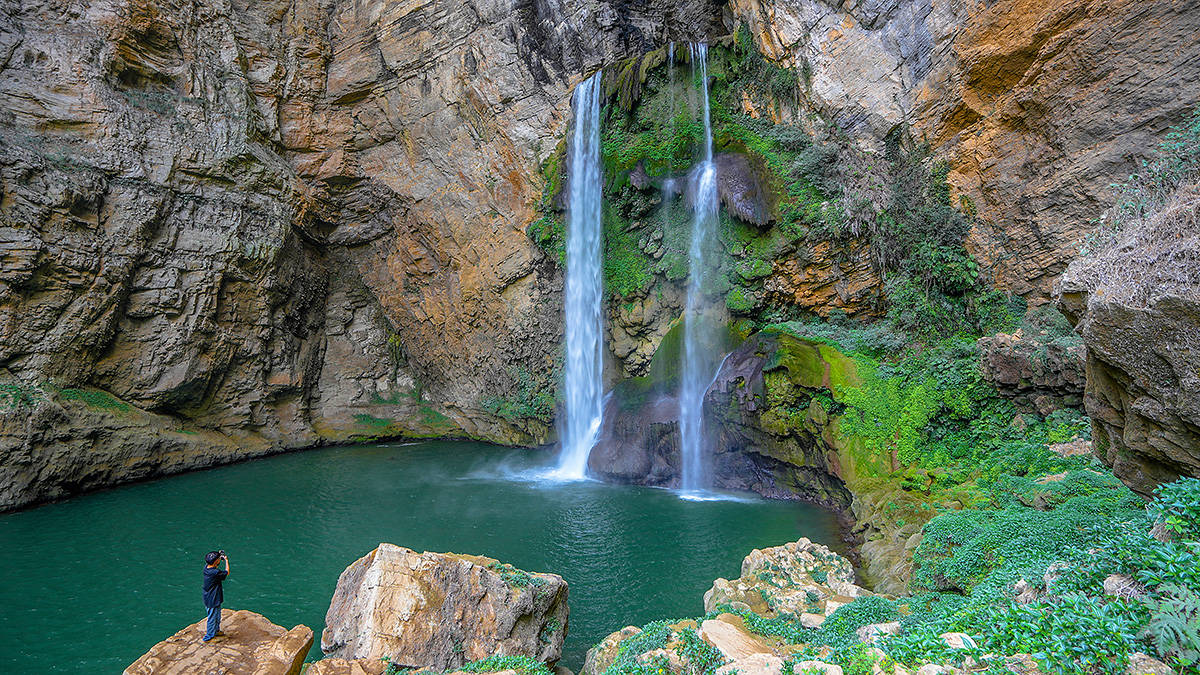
(1034, 138)
(440, 611)
(249, 645)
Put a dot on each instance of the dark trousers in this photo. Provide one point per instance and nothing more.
(214, 622)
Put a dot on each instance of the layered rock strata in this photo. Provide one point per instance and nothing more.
(1038, 107)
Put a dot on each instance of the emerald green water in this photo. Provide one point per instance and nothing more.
(95, 581)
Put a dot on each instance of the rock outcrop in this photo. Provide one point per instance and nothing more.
(1036, 371)
(802, 579)
(1034, 138)
(249, 645)
(442, 610)
(1136, 303)
(278, 224)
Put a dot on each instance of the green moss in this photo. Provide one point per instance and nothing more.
(740, 300)
(95, 398)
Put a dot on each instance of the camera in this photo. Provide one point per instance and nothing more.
(221, 553)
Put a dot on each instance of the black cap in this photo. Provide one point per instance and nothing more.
(211, 557)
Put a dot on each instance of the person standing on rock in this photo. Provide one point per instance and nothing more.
(213, 593)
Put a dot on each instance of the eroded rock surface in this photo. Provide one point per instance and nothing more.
(250, 645)
(1034, 137)
(802, 578)
(441, 610)
(277, 224)
(1039, 372)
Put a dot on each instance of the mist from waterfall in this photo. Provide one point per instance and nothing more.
(583, 381)
(698, 359)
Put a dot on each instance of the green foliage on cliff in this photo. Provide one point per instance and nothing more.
(526, 398)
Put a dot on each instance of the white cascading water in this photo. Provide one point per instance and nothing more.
(697, 364)
(584, 327)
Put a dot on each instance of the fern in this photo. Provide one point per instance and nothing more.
(1175, 623)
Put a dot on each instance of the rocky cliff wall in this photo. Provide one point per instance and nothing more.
(1039, 107)
(231, 228)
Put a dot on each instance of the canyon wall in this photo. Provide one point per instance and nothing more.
(233, 228)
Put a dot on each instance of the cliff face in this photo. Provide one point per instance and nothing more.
(231, 228)
(1039, 107)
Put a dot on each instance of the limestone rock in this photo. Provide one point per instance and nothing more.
(602, 655)
(434, 610)
(817, 666)
(871, 634)
(753, 664)
(251, 645)
(741, 189)
(1123, 586)
(801, 578)
(1143, 381)
(731, 639)
(958, 640)
(346, 667)
(1035, 370)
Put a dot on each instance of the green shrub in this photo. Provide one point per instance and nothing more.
(526, 399)
(1177, 507)
(1174, 624)
(522, 664)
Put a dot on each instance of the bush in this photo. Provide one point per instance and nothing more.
(1177, 507)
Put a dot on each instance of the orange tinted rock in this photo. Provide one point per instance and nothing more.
(250, 645)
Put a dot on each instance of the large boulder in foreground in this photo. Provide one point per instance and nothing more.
(801, 578)
(442, 610)
(250, 645)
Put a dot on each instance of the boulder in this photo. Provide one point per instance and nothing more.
(817, 666)
(1144, 664)
(871, 633)
(801, 578)
(1123, 586)
(249, 645)
(1038, 371)
(442, 610)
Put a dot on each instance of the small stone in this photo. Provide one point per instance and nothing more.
(1123, 586)
(1144, 664)
(934, 669)
(958, 640)
(871, 633)
(816, 666)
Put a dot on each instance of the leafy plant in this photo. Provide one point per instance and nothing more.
(1175, 624)
(1177, 507)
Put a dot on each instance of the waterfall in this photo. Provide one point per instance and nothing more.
(584, 325)
(698, 366)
